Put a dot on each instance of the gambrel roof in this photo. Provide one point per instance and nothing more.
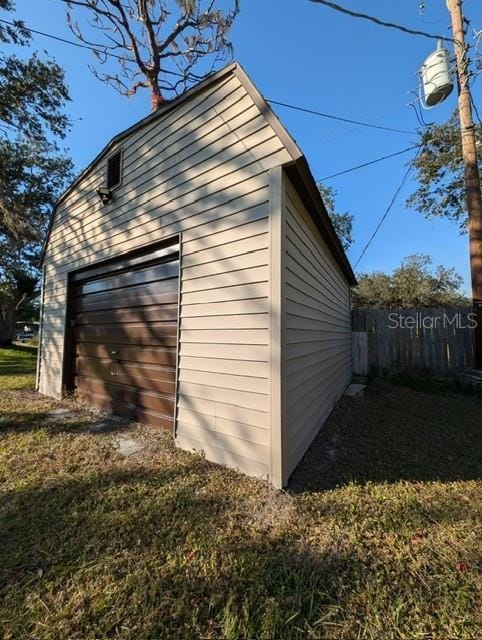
(297, 169)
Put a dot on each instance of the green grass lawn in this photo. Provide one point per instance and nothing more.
(17, 367)
(376, 539)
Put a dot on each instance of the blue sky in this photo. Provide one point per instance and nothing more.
(302, 53)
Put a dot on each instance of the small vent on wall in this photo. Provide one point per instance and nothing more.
(114, 166)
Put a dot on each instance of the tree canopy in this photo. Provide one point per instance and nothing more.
(342, 222)
(155, 44)
(415, 283)
(33, 168)
(439, 170)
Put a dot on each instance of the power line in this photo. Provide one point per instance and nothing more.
(387, 211)
(340, 118)
(476, 111)
(65, 41)
(367, 164)
(381, 23)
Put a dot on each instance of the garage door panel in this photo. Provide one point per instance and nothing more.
(156, 313)
(145, 295)
(144, 341)
(130, 278)
(161, 381)
(124, 332)
(129, 330)
(125, 335)
(150, 418)
(140, 354)
(150, 371)
(124, 394)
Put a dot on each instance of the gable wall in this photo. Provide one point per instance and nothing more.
(200, 171)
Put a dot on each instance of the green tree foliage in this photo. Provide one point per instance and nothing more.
(415, 283)
(16, 34)
(33, 169)
(158, 43)
(342, 222)
(440, 173)
(32, 96)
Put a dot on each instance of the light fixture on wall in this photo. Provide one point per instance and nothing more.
(105, 194)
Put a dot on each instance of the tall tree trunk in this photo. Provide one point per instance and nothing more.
(8, 319)
(157, 99)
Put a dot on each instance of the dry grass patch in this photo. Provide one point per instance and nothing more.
(163, 544)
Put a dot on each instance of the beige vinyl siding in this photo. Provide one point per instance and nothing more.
(200, 171)
(316, 332)
(223, 406)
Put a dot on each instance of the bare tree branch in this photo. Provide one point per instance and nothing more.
(157, 38)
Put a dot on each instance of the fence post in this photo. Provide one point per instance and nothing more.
(360, 353)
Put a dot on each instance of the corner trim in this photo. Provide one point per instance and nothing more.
(268, 113)
(277, 328)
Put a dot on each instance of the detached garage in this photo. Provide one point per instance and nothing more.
(192, 280)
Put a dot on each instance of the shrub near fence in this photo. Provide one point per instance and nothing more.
(422, 339)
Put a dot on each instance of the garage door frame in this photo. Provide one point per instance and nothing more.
(164, 250)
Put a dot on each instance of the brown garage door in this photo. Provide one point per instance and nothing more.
(124, 336)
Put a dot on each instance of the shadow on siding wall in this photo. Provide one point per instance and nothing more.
(206, 178)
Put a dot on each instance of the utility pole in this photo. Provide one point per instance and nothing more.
(472, 178)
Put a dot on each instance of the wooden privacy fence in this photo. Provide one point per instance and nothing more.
(422, 339)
